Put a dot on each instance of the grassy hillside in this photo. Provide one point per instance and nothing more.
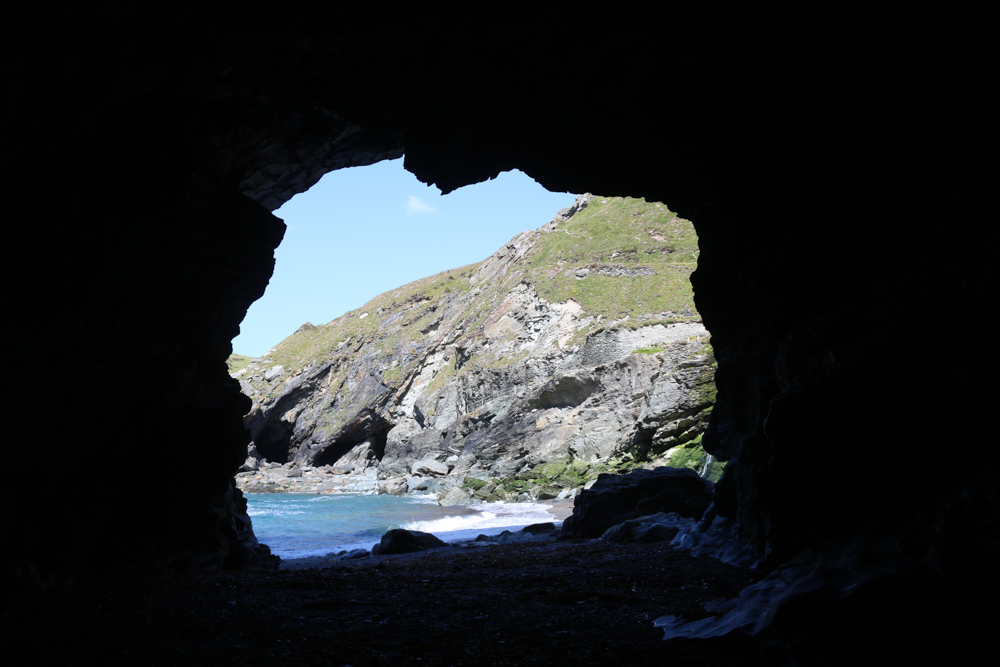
(411, 304)
(627, 262)
(237, 362)
(618, 235)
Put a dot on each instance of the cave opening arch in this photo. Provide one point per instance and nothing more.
(649, 292)
(808, 157)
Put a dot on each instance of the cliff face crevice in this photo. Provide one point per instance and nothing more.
(841, 175)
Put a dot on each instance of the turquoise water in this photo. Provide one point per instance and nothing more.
(297, 525)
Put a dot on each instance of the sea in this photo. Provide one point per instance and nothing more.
(298, 525)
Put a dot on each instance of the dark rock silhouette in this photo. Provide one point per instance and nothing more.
(614, 499)
(400, 541)
(648, 528)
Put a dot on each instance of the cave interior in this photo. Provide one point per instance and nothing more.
(841, 177)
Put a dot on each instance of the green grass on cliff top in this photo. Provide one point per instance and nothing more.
(612, 233)
(618, 233)
(411, 305)
(238, 362)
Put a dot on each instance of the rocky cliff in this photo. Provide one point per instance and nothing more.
(572, 350)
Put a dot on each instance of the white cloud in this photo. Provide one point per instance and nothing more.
(418, 205)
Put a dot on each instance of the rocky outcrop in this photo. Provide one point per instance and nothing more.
(400, 541)
(472, 374)
(614, 499)
(536, 531)
(659, 527)
(270, 477)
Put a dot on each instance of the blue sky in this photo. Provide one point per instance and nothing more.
(363, 231)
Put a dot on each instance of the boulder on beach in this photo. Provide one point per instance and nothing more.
(401, 541)
(454, 496)
(659, 527)
(395, 486)
(617, 498)
(540, 528)
(532, 532)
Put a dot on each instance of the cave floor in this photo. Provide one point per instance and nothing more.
(574, 602)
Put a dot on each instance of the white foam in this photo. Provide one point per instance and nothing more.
(335, 546)
(276, 511)
(426, 499)
(489, 519)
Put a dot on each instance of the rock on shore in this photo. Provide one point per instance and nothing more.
(271, 477)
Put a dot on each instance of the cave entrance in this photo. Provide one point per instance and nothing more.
(385, 291)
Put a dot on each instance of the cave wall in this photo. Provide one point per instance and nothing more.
(839, 170)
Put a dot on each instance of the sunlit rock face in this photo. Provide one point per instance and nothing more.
(840, 176)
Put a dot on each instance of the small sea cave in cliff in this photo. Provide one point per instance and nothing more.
(841, 179)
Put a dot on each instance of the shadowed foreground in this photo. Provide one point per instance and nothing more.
(573, 602)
